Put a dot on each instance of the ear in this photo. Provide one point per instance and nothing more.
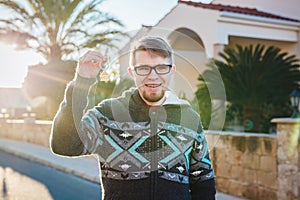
(130, 71)
(173, 69)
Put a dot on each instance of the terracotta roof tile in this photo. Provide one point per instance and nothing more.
(237, 9)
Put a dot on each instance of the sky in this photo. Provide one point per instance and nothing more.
(133, 14)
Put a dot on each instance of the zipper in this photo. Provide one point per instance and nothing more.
(154, 159)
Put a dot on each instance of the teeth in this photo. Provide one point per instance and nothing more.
(152, 85)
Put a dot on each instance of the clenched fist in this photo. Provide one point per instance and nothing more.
(90, 63)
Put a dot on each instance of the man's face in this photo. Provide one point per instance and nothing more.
(151, 87)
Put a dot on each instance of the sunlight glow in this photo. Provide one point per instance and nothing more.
(14, 64)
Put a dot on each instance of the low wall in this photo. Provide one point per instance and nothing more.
(258, 166)
(253, 166)
(245, 164)
(288, 160)
(37, 132)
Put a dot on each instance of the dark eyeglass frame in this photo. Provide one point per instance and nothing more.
(153, 68)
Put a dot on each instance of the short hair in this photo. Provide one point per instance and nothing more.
(154, 45)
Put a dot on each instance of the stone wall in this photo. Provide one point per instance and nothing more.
(245, 164)
(37, 132)
(288, 158)
(258, 166)
(253, 166)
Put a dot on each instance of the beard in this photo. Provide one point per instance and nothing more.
(153, 97)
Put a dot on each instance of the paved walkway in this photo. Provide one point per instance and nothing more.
(85, 167)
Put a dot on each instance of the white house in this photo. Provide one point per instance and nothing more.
(199, 31)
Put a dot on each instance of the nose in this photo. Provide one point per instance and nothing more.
(153, 74)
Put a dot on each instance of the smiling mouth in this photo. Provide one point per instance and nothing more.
(152, 85)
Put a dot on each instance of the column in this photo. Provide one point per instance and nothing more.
(288, 158)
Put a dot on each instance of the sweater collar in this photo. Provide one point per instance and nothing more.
(171, 99)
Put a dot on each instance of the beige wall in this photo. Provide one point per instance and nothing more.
(189, 65)
(290, 47)
(200, 21)
(287, 8)
(37, 132)
(258, 166)
(245, 164)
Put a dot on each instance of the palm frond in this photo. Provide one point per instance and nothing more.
(58, 24)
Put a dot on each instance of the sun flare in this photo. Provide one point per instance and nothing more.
(14, 64)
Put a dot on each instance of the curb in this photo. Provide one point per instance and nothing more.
(48, 163)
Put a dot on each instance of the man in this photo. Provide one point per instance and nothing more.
(149, 143)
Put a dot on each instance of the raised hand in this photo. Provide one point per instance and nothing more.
(90, 63)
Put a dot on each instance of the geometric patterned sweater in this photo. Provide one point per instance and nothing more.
(144, 152)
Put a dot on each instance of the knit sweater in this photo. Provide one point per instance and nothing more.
(144, 152)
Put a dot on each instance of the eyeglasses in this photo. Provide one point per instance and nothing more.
(144, 70)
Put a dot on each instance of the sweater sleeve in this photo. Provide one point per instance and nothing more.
(64, 139)
(202, 181)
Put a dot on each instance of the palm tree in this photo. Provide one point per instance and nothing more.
(58, 28)
(254, 77)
